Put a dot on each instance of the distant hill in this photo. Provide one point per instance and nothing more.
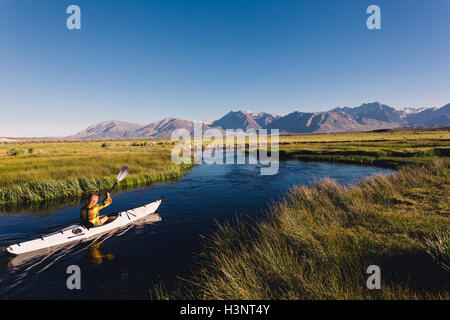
(430, 117)
(366, 117)
(374, 111)
(323, 122)
(112, 129)
(164, 128)
(244, 120)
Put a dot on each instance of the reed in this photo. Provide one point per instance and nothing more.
(318, 242)
(61, 169)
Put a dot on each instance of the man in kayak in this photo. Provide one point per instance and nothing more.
(89, 213)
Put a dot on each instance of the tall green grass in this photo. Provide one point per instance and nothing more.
(61, 170)
(384, 152)
(318, 242)
(72, 187)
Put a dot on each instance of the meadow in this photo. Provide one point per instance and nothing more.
(389, 148)
(32, 171)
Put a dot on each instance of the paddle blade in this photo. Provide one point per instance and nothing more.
(123, 173)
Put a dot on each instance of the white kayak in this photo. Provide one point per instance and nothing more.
(79, 231)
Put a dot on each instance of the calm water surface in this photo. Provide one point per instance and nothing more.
(126, 264)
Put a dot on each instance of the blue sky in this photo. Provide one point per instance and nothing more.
(142, 61)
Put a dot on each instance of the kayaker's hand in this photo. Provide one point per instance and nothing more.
(108, 195)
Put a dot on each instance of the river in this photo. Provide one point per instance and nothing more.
(128, 263)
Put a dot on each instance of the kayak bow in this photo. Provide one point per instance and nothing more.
(79, 231)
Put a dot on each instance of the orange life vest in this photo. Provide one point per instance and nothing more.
(89, 213)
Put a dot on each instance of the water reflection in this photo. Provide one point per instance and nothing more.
(97, 256)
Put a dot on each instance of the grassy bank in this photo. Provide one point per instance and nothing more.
(35, 171)
(391, 148)
(319, 241)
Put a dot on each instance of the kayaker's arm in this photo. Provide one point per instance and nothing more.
(105, 202)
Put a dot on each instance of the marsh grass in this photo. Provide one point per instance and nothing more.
(62, 170)
(389, 149)
(318, 242)
(438, 247)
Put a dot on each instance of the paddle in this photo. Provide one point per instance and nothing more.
(122, 174)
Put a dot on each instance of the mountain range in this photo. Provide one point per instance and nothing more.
(366, 117)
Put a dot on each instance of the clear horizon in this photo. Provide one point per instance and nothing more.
(135, 60)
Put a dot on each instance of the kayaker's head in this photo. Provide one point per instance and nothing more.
(93, 198)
